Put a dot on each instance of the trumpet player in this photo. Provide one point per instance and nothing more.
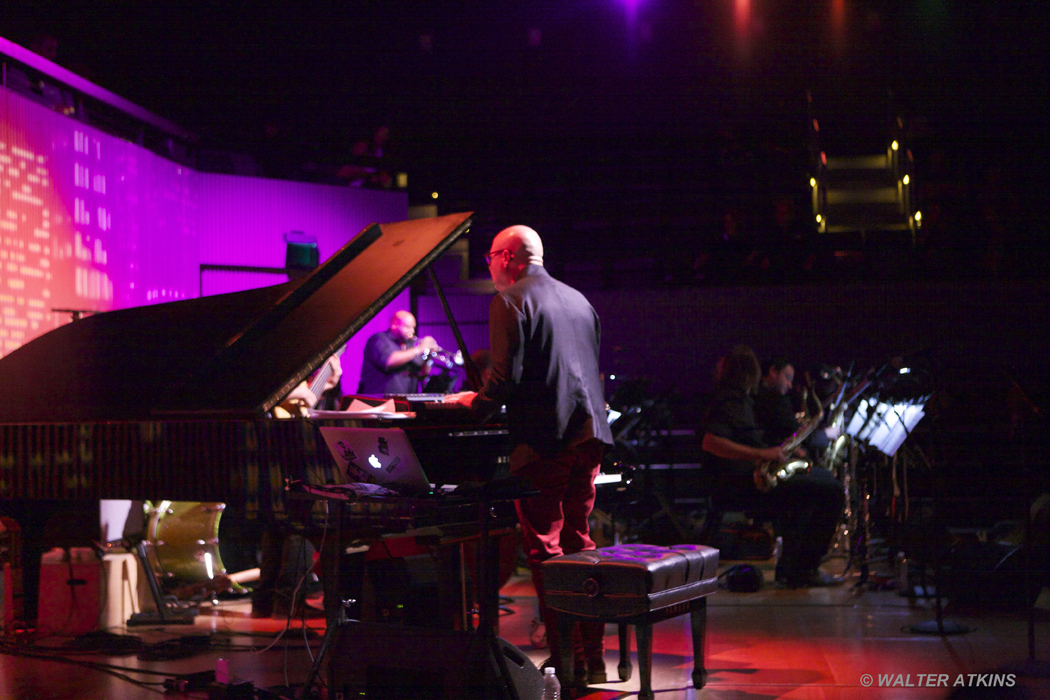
(394, 359)
(805, 508)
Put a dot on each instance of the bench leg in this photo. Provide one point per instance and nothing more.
(624, 668)
(568, 673)
(712, 523)
(644, 632)
(698, 621)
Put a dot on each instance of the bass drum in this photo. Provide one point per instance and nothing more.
(183, 541)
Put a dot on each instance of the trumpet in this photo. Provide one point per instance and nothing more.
(438, 356)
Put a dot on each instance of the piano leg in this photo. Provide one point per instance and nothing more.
(44, 524)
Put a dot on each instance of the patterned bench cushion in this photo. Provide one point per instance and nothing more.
(629, 579)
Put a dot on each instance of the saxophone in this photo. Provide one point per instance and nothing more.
(835, 453)
(770, 473)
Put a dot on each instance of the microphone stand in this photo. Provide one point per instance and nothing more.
(939, 625)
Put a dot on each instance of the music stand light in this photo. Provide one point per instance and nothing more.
(885, 426)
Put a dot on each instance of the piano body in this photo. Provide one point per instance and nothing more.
(171, 401)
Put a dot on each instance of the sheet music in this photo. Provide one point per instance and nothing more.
(360, 409)
(358, 406)
(343, 415)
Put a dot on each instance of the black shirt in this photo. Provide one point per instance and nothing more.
(775, 414)
(731, 416)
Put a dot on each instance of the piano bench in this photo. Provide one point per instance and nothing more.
(633, 584)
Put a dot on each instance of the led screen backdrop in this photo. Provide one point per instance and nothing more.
(91, 222)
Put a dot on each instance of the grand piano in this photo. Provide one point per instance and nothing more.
(173, 400)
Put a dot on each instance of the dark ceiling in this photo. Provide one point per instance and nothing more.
(488, 100)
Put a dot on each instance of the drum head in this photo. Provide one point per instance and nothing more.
(183, 541)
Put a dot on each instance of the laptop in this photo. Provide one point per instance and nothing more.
(381, 456)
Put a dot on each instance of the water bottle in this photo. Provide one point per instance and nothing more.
(551, 686)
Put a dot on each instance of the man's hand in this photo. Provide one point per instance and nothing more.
(428, 343)
(299, 398)
(833, 432)
(463, 398)
(337, 373)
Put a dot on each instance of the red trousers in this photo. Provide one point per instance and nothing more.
(555, 522)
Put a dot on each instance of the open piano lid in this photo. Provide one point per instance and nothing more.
(224, 356)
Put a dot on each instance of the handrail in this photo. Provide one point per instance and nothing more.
(817, 164)
(86, 87)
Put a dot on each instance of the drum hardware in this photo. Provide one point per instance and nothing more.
(168, 611)
(179, 552)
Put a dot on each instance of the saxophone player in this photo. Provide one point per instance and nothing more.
(805, 508)
(774, 412)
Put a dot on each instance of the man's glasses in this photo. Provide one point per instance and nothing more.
(494, 253)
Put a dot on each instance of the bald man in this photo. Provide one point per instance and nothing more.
(393, 360)
(544, 338)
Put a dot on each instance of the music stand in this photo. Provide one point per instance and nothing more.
(885, 426)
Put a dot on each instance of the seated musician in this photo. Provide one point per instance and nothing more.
(806, 507)
(393, 360)
(286, 556)
(324, 395)
(286, 579)
(774, 412)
